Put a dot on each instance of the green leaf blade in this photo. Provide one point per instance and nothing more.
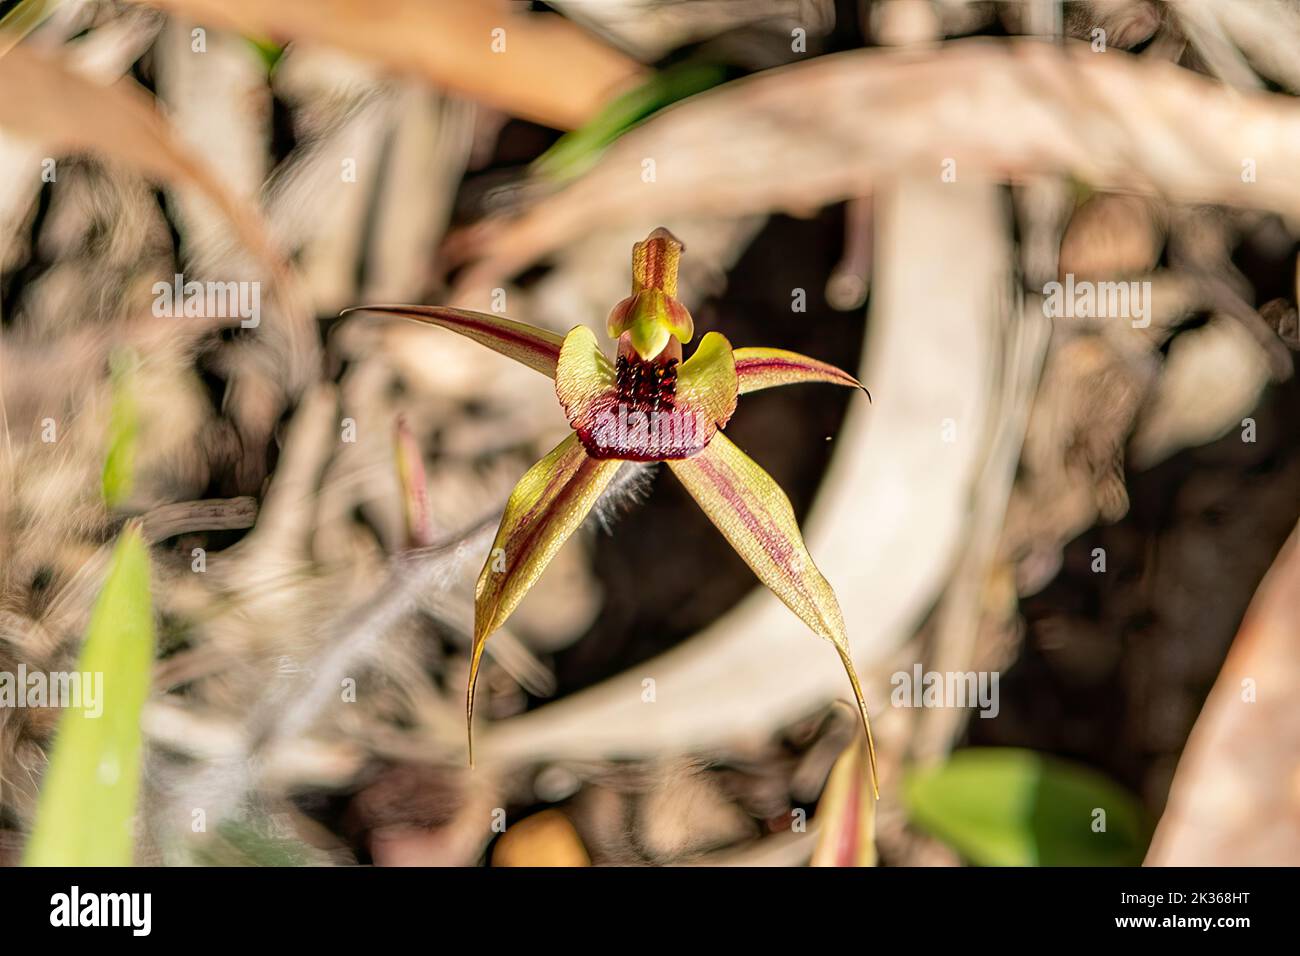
(575, 152)
(87, 806)
(1010, 807)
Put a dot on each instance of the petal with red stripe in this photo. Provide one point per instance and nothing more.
(537, 348)
(759, 368)
(547, 506)
(755, 516)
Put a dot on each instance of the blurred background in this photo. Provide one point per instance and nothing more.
(1091, 516)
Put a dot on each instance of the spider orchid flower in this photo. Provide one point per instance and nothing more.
(645, 406)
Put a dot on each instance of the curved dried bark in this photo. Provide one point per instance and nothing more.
(806, 135)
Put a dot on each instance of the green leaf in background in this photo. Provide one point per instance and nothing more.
(574, 152)
(87, 805)
(269, 52)
(253, 843)
(1008, 807)
(123, 429)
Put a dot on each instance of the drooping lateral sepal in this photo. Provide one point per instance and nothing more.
(755, 516)
(546, 507)
(537, 348)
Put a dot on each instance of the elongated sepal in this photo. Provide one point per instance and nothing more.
(755, 516)
(547, 506)
(759, 368)
(534, 347)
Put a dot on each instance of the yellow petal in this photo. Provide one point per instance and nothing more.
(546, 507)
(755, 516)
(586, 384)
(707, 383)
(584, 377)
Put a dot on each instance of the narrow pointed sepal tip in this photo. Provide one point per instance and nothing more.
(861, 702)
(469, 724)
(761, 368)
(871, 756)
(756, 517)
(476, 656)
